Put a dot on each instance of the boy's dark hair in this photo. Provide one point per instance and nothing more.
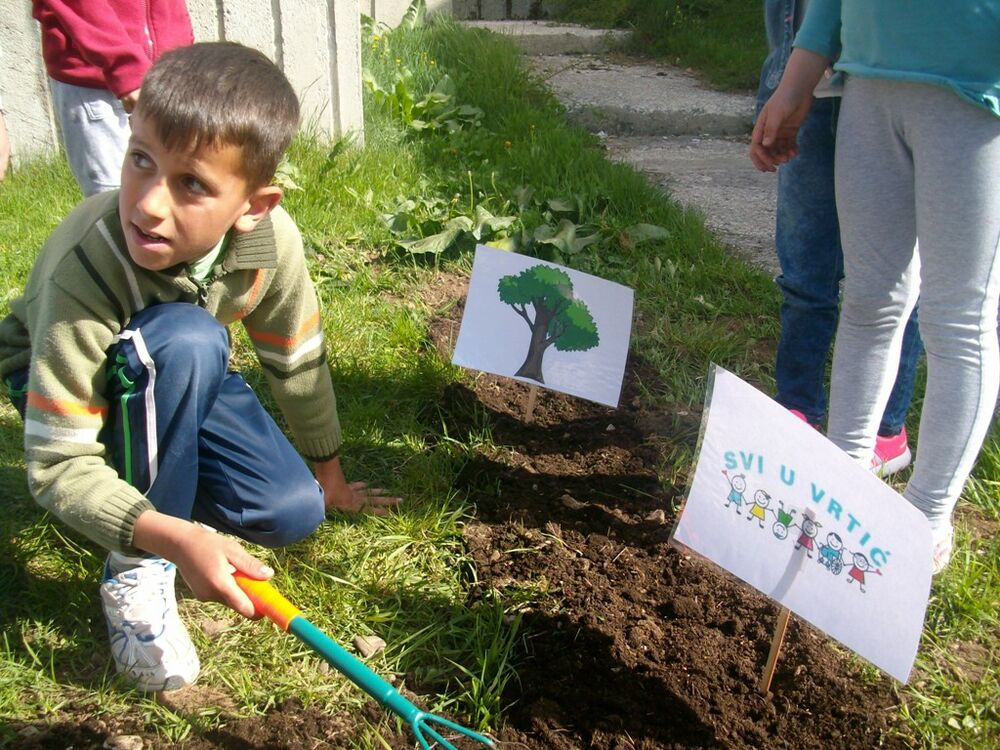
(221, 93)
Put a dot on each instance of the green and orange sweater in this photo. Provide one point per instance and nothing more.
(84, 288)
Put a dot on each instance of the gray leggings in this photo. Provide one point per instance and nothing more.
(917, 162)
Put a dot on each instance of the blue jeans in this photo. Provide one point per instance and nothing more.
(192, 436)
(807, 236)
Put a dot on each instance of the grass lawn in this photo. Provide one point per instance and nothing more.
(488, 152)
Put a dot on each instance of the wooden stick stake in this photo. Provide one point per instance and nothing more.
(784, 615)
(529, 406)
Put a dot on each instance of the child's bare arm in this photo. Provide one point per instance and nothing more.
(350, 497)
(774, 135)
(205, 559)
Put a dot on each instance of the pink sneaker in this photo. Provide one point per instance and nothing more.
(799, 415)
(892, 454)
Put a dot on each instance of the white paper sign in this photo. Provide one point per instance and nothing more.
(545, 324)
(781, 507)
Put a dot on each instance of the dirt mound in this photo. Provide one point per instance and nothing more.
(637, 644)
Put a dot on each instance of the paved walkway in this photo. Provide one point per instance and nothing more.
(688, 139)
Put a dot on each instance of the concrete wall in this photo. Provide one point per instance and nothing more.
(502, 10)
(23, 85)
(317, 43)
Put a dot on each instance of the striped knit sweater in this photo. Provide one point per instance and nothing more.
(83, 290)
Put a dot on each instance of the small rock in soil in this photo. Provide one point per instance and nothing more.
(657, 516)
(368, 645)
(213, 628)
(123, 742)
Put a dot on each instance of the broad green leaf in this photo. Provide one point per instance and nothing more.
(507, 244)
(564, 238)
(523, 196)
(434, 243)
(562, 205)
(445, 87)
(581, 242)
(415, 15)
(644, 232)
(484, 219)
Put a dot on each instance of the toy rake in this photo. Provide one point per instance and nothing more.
(270, 603)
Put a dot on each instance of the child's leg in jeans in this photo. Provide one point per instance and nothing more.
(807, 239)
(195, 439)
(946, 167)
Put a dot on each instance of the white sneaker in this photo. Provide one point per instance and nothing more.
(149, 642)
(943, 540)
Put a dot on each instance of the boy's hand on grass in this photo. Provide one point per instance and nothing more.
(351, 497)
(206, 560)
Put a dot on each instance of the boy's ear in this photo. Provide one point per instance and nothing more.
(259, 204)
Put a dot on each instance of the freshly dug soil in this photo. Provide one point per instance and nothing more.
(633, 643)
(639, 644)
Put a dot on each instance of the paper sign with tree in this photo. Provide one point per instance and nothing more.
(543, 297)
(545, 324)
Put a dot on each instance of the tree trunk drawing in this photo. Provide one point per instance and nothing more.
(532, 366)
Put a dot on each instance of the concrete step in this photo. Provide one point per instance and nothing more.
(625, 98)
(713, 176)
(543, 38)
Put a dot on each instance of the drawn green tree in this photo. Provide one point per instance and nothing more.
(543, 297)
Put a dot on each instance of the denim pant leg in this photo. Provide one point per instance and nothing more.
(894, 416)
(195, 439)
(95, 133)
(807, 236)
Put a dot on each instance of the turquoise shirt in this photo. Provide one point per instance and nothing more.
(951, 43)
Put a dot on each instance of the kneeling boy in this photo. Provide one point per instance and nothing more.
(136, 433)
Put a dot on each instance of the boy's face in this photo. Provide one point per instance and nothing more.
(175, 206)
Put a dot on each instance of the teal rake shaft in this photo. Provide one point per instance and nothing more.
(269, 602)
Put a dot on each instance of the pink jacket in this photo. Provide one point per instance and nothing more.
(109, 44)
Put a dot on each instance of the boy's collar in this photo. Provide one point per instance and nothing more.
(253, 249)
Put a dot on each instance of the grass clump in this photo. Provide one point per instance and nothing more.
(722, 40)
